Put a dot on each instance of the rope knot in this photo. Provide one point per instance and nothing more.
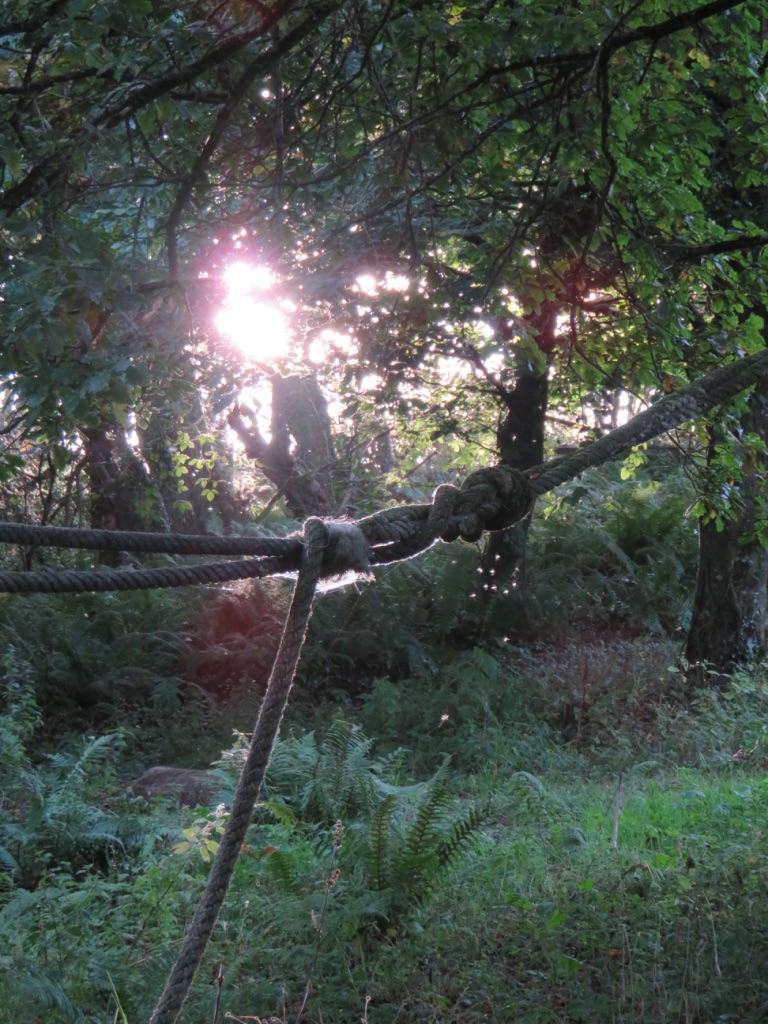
(345, 548)
(489, 499)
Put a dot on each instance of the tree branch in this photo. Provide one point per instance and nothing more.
(133, 96)
(33, 23)
(728, 245)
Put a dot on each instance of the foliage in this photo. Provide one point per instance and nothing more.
(397, 624)
(101, 662)
(51, 817)
(405, 863)
(448, 203)
(453, 200)
(547, 916)
(399, 839)
(461, 708)
(605, 551)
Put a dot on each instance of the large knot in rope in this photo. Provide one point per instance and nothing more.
(489, 499)
(492, 498)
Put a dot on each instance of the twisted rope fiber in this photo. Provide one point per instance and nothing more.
(48, 581)
(669, 412)
(489, 499)
(153, 543)
(316, 539)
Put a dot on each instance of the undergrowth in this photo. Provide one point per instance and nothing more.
(537, 877)
(460, 823)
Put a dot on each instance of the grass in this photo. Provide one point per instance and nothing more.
(619, 875)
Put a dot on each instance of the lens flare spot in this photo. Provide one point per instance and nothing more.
(257, 329)
(252, 318)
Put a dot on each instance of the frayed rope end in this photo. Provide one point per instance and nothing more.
(347, 550)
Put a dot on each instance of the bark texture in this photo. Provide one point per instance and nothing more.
(728, 624)
(520, 440)
(520, 437)
(299, 457)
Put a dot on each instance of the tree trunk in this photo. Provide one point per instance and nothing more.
(122, 495)
(520, 438)
(728, 623)
(300, 457)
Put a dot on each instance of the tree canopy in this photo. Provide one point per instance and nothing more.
(518, 183)
(483, 227)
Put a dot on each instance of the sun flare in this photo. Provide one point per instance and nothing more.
(254, 320)
(243, 278)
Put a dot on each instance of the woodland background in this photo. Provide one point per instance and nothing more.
(484, 233)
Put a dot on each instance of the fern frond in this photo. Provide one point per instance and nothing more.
(12, 751)
(462, 837)
(280, 812)
(419, 838)
(284, 867)
(8, 862)
(378, 847)
(94, 755)
(21, 905)
(41, 990)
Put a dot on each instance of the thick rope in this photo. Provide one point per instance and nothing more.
(47, 581)
(669, 412)
(489, 499)
(153, 543)
(346, 550)
(316, 540)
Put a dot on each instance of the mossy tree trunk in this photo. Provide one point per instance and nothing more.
(520, 437)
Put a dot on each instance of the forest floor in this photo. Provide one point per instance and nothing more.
(535, 836)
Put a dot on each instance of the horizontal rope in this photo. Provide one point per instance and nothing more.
(492, 498)
(29, 535)
(47, 581)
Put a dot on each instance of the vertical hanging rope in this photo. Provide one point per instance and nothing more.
(316, 539)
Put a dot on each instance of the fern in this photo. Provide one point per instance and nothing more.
(461, 838)
(605, 549)
(285, 867)
(431, 845)
(328, 780)
(53, 821)
(399, 839)
(419, 839)
(40, 990)
(97, 660)
(403, 862)
(378, 849)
